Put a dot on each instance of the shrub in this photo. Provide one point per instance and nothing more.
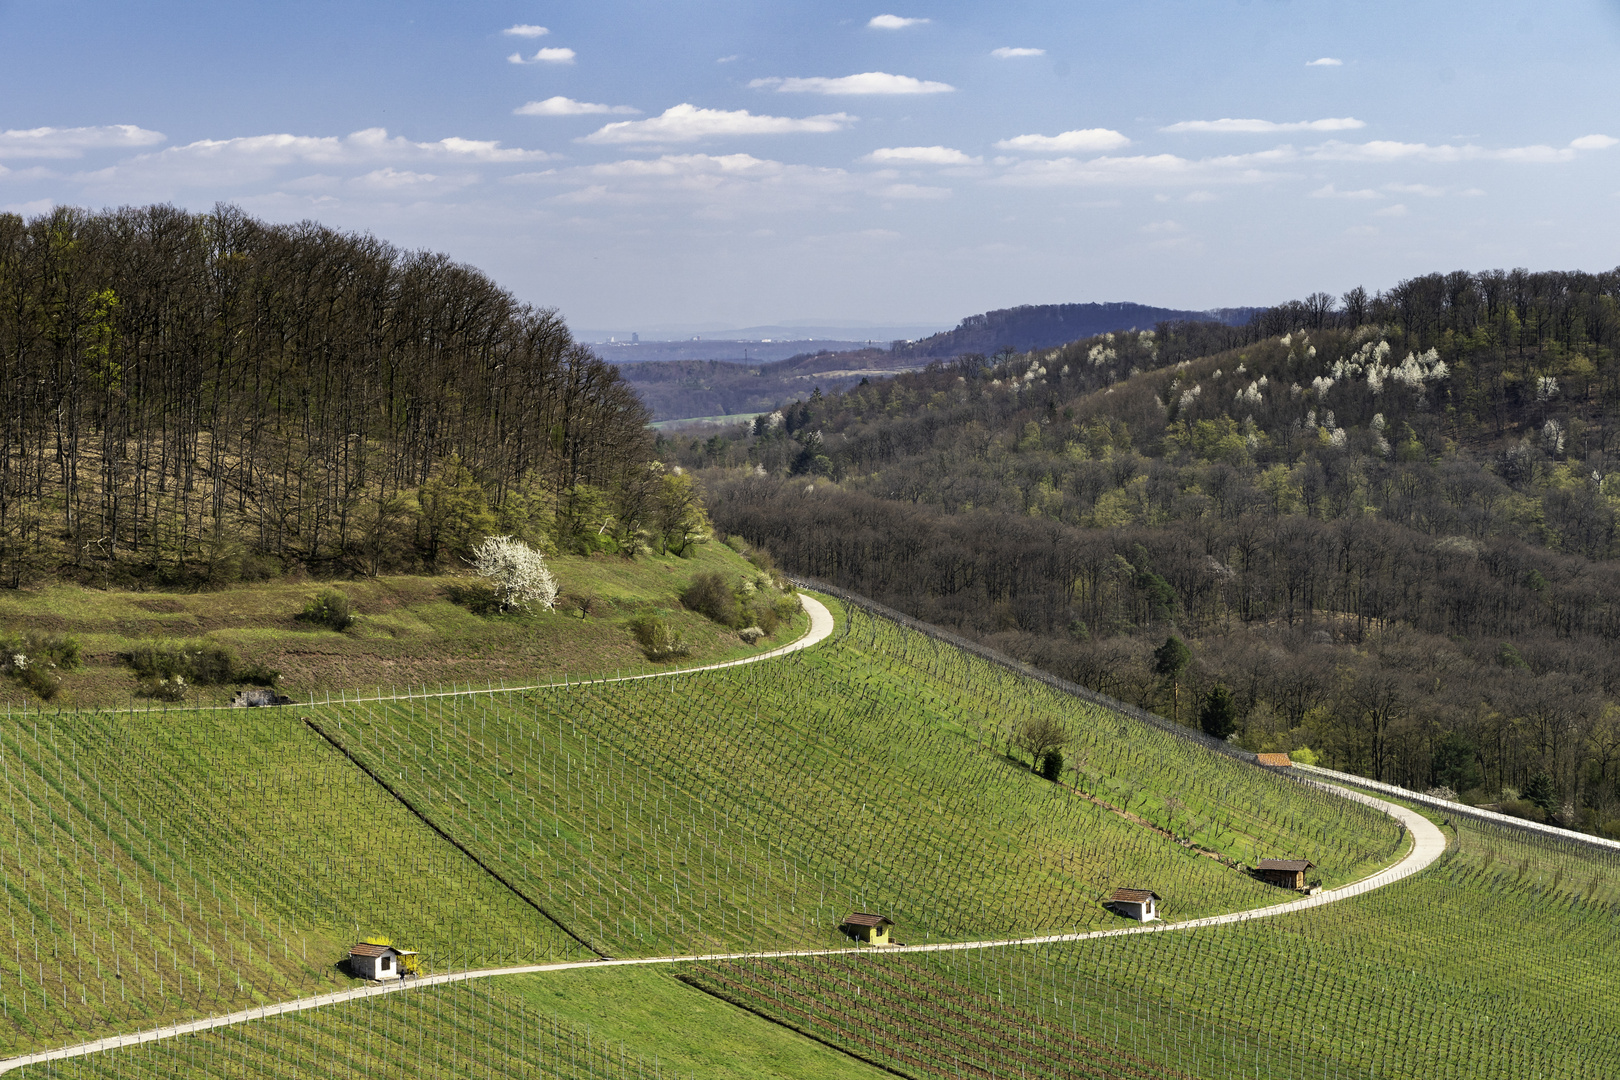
(201, 662)
(1052, 765)
(164, 689)
(709, 595)
(34, 660)
(330, 609)
(658, 639)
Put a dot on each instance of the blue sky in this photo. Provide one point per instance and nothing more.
(654, 166)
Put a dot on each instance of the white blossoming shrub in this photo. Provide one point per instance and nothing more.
(516, 572)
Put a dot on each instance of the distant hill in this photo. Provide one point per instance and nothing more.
(738, 350)
(1043, 326)
(688, 389)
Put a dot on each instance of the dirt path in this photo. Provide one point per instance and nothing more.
(1428, 844)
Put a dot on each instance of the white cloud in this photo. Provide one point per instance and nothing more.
(912, 191)
(688, 123)
(563, 106)
(729, 59)
(893, 22)
(54, 142)
(920, 155)
(1145, 170)
(1008, 53)
(869, 82)
(1384, 150)
(1230, 126)
(526, 30)
(1330, 192)
(1161, 228)
(1325, 61)
(1078, 141)
(255, 158)
(1593, 142)
(1397, 210)
(545, 56)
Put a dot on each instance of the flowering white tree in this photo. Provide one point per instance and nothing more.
(517, 572)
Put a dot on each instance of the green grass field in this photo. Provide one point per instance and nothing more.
(409, 634)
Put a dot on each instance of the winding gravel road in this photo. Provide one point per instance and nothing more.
(1428, 844)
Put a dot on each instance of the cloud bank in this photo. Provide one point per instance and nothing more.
(920, 155)
(1069, 142)
(1229, 126)
(688, 123)
(1007, 53)
(526, 30)
(869, 82)
(55, 142)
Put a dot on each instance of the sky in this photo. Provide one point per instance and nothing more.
(670, 167)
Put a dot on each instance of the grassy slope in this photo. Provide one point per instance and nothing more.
(754, 807)
(409, 632)
(1496, 962)
(599, 1024)
(866, 773)
(158, 866)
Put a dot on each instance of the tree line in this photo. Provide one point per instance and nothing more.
(200, 397)
(1389, 528)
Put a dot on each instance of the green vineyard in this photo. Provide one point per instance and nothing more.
(1496, 962)
(164, 865)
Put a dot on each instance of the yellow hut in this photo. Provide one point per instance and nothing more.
(866, 927)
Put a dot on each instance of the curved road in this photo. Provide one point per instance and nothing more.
(1428, 844)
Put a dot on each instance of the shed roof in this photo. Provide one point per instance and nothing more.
(366, 948)
(1134, 896)
(1276, 761)
(862, 918)
(1291, 865)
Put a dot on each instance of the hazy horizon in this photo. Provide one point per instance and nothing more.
(871, 166)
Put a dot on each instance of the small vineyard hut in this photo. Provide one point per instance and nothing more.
(1139, 904)
(1288, 873)
(378, 962)
(1274, 761)
(872, 929)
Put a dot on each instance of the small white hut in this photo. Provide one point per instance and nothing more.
(1139, 904)
(378, 962)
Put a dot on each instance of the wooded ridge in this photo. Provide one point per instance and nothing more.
(1386, 523)
(202, 397)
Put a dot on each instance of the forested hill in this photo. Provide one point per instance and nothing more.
(1042, 326)
(1390, 530)
(199, 397)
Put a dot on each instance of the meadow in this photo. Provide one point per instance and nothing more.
(410, 631)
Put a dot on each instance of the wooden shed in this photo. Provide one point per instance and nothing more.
(1139, 904)
(378, 962)
(1274, 761)
(864, 926)
(1288, 873)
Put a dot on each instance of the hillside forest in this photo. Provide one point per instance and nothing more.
(196, 399)
(1381, 527)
